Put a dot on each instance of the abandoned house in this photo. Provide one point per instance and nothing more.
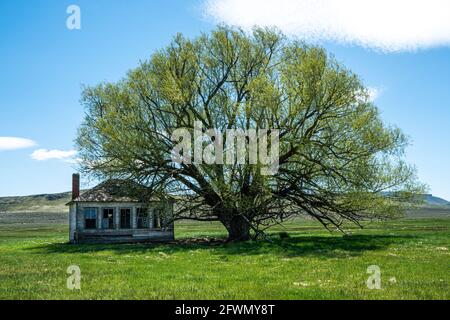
(118, 211)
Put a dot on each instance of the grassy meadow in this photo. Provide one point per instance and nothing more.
(413, 255)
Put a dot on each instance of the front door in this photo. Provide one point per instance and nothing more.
(125, 218)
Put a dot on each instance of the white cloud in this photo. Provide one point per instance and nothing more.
(370, 94)
(13, 143)
(44, 154)
(387, 25)
(374, 93)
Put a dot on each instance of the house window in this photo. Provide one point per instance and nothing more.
(108, 218)
(142, 218)
(125, 218)
(90, 218)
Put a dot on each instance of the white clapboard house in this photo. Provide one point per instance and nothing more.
(118, 211)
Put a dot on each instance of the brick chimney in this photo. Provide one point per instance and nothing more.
(75, 185)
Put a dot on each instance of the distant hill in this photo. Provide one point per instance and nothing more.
(36, 203)
(435, 201)
(428, 200)
(56, 203)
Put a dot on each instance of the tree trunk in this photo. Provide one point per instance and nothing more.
(238, 229)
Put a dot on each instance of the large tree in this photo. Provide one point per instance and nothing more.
(337, 160)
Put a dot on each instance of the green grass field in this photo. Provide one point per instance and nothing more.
(310, 264)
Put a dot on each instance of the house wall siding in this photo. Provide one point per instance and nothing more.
(80, 234)
(72, 221)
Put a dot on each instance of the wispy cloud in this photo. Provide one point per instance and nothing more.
(44, 154)
(13, 143)
(374, 93)
(386, 25)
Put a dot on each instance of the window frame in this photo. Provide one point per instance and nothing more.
(111, 219)
(129, 220)
(146, 217)
(90, 226)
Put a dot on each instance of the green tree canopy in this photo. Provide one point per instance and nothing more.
(338, 161)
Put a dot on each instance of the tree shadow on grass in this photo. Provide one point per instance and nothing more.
(321, 246)
(295, 246)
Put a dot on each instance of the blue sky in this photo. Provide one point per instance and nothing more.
(44, 64)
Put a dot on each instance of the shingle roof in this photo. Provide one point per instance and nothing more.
(115, 190)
